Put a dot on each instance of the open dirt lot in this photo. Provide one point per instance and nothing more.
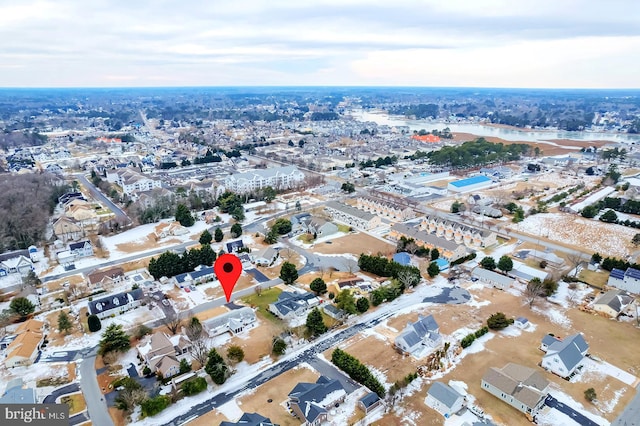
(356, 244)
(601, 334)
(277, 390)
(257, 342)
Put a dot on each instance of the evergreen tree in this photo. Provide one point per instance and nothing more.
(22, 306)
(64, 323)
(216, 368)
(288, 273)
(433, 269)
(315, 324)
(318, 286)
(362, 304)
(183, 215)
(435, 253)
(205, 237)
(279, 346)
(185, 367)
(505, 263)
(488, 263)
(218, 234)
(114, 338)
(236, 230)
(94, 324)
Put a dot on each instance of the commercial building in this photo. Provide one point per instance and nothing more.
(278, 178)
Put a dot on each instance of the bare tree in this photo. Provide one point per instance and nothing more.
(574, 259)
(349, 265)
(172, 321)
(407, 279)
(533, 291)
(200, 349)
(130, 397)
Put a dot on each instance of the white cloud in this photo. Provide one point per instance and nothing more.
(542, 43)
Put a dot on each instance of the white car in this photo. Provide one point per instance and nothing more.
(165, 302)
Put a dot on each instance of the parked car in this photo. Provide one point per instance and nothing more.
(165, 302)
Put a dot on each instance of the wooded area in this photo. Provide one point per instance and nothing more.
(25, 206)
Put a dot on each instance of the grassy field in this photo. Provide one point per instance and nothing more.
(262, 301)
(75, 402)
(594, 278)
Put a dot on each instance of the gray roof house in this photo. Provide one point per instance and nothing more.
(612, 303)
(321, 227)
(309, 401)
(266, 256)
(235, 321)
(369, 402)
(419, 338)
(444, 399)
(492, 278)
(290, 305)
(563, 357)
(250, 419)
(116, 304)
(521, 387)
(547, 341)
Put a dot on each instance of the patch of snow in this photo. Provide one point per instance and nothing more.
(555, 315)
(604, 368)
(231, 410)
(566, 399)
(565, 297)
(511, 331)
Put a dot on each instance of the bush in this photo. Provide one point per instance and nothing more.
(279, 346)
(94, 324)
(498, 321)
(194, 386)
(467, 340)
(153, 406)
(590, 394)
(481, 332)
(362, 304)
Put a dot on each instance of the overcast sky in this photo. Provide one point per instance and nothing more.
(483, 43)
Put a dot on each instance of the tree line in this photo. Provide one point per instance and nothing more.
(475, 153)
(170, 264)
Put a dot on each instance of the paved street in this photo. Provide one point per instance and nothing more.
(99, 196)
(96, 404)
(575, 415)
(286, 364)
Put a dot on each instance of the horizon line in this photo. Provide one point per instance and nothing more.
(337, 86)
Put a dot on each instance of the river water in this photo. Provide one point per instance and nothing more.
(500, 132)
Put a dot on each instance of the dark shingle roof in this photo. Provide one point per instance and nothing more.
(369, 399)
(112, 302)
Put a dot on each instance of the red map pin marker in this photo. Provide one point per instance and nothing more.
(228, 269)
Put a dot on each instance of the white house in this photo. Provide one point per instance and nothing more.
(132, 181)
(492, 278)
(81, 248)
(565, 356)
(235, 322)
(276, 177)
(628, 280)
(16, 262)
(420, 337)
(521, 387)
(444, 399)
(266, 256)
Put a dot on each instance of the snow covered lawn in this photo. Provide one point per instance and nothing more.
(604, 238)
